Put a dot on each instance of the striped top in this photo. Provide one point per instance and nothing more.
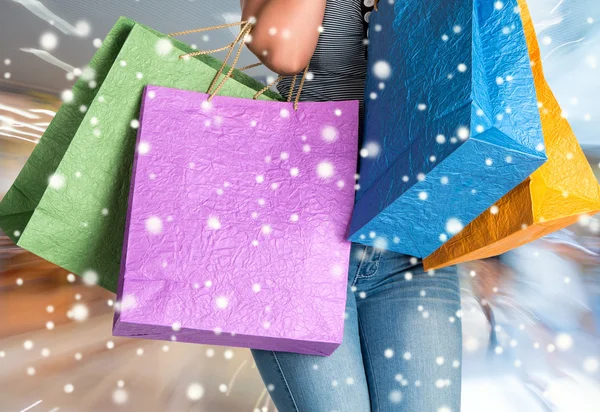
(338, 67)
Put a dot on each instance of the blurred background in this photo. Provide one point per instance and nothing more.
(531, 318)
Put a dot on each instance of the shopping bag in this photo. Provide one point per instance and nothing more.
(451, 122)
(68, 204)
(555, 196)
(238, 213)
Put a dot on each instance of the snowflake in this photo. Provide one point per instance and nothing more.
(143, 148)
(453, 226)
(380, 243)
(395, 396)
(329, 133)
(154, 225)
(48, 41)
(382, 69)
(214, 223)
(57, 181)
(325, 170)
(337, 270)
(163, 47)
(120, 396)
(90, 278)
(222, 302)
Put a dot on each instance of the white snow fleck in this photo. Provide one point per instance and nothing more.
(395, 396)
(325, 170)
(57, 181)
(163, 47)
(214, 223)
(90, 278)
(222, 302)
(337, 270)
(329, 133)
(143, 148)
(154, 225)
(67, 96)
(206, 105)
(79, 312)
(453, 226)
(382, 69)
(463, 133)
(48, 41)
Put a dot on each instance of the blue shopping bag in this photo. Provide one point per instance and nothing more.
(451, 122)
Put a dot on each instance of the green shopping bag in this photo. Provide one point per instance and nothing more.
(68, 204)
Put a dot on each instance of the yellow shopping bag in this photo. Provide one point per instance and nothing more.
(553, 197)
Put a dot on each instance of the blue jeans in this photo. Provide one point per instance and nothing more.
(401, 349)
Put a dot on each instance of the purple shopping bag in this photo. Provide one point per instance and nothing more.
(238, 214)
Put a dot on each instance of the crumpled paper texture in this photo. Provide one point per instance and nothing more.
(78, 222)
(454, 119)
(237, 222)
(555, 196)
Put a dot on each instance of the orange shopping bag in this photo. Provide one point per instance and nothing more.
(553, 197)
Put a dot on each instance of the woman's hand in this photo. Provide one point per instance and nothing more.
(286, 32)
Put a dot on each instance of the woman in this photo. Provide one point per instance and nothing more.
(402, 336)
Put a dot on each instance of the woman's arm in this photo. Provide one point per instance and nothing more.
(286, 32)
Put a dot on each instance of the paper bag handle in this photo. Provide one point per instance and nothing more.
(246, 28)
(289, 99)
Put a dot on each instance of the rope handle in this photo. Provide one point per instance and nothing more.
(289, 99)
(222, 26)
(246, 28)
(242, 35)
